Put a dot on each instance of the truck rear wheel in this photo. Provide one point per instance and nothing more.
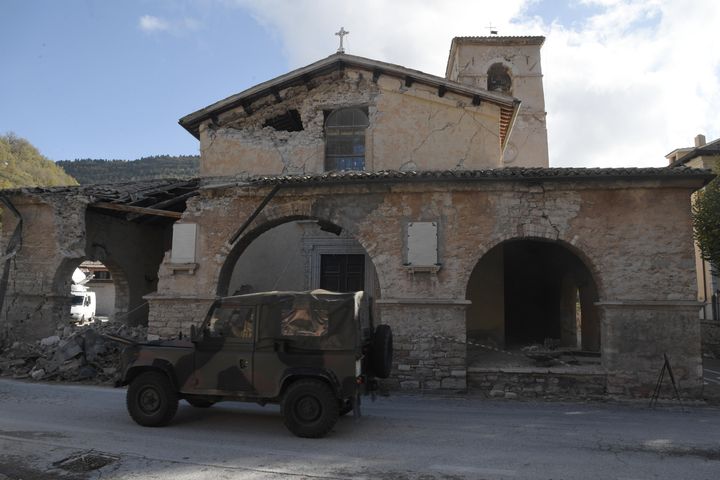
(309, 408)
(151, 399)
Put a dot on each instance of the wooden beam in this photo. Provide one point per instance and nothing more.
(141, 210)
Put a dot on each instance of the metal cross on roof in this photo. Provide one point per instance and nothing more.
(493, 30)
(341, 34)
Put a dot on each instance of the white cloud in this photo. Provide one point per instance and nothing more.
(152, 24)
(624, 86)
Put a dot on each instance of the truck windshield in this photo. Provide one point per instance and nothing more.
(76, 300)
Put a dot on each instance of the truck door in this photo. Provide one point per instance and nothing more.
(223, 360)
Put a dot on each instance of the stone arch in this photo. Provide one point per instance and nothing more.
(575, 246)
(499, 78)
(277, 217)
(525, 290)
(63, 279)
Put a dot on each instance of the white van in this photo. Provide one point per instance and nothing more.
(82, 306)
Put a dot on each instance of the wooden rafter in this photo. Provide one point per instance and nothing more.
(140, 210)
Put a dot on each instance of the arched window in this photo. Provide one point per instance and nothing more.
(498, 79)
(345, 139)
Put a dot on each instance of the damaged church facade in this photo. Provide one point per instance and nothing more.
(433, 194)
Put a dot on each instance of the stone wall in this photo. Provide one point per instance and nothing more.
(526, 383)
(634, 237)
(52, 231)
(469, 63)
(710, 337)
(432, 132)
(58, 233)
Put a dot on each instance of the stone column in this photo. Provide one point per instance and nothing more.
(429, 341)
(636, 334)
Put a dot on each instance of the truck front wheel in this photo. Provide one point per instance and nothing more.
(309, 408)
(151, 399)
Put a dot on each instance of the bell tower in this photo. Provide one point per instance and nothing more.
(509, 65)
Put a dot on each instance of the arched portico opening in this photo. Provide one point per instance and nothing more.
(298, 253)
(107, 282)
(534, 299)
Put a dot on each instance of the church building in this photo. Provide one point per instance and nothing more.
(496, 272)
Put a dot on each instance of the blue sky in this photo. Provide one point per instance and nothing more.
(626, 81)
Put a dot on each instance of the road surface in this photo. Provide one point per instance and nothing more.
(399, 438)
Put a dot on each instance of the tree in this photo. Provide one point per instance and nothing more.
(22, 165)
(706, 221)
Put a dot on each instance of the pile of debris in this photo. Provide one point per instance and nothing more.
(74, 353)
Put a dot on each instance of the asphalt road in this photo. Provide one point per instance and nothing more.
(401, 437)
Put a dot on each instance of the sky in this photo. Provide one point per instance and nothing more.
(626, 81)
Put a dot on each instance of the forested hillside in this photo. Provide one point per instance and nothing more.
(88, 171)
(22, 165)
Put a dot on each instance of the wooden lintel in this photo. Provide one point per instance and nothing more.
(141, 210)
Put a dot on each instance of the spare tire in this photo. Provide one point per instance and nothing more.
(381, 351)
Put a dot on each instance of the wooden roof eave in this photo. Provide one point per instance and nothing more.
(301, 76)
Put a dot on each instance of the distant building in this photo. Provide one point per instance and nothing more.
(705, 156)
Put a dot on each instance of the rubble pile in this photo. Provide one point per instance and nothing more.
(74, 353)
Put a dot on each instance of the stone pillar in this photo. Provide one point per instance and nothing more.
(636, 334)
(429, 342)
(171, 316)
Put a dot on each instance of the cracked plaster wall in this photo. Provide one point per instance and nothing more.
(410, 128)
(528, 146)
(52, 230)
(634, 237)
(57, 235)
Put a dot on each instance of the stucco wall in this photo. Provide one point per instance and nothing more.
(528, 144)
(410, 128)
(58, 233)
(633, 236)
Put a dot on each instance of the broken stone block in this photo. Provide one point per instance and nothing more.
(85, 372)
(497, 393)
(8, 364)
(37, 374)
(68, 349)
(70, 365)
(49, 341)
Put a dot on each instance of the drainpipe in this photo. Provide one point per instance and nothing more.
(13, 247)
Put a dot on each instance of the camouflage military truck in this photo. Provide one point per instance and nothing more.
(315, 353)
